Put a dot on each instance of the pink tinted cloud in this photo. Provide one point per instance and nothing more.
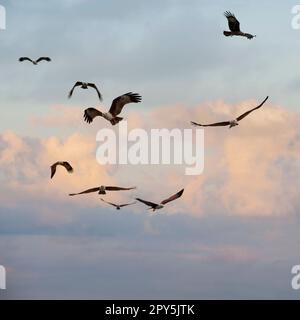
(59, 115)
(243, 172)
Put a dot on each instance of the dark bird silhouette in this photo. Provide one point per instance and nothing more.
(115, 109)
(234, 27)
(102, 190)
(35, 62)
(64, 164)
(156, 206)
(231, 123)
(118, 206)
(85, 85)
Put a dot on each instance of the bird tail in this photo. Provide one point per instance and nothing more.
(101, 192)
(227, 33)
(115, 120)
(249, 36)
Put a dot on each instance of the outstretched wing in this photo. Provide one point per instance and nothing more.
(43, 58)
(61, 163)
(217, 124)
(119, 102)
(53, 169)
(248, 112)
(127, 204)
(147, 203)
(90, 114)
(110, 188)
(86, 191)
(109, 203)
(92, 85)
(78, 83)
(174, 197)
(233, 23)
(24, 59)
(68, 167)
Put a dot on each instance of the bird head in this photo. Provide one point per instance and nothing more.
(102, 190)
(233, 123)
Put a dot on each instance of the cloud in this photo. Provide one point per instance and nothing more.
(244, 167)
(207, 258)
(235, 231)
(59, 116)
(25, 172)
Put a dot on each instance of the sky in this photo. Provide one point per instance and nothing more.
(234, 234)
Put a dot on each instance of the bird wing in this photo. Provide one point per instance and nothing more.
(233, 23)
(147, 203)
(25, 58)
(86, 191)
(61, 163)
(174, 197)
(78, 83)
(43, 58)
(92, 85)
(90, 114)
(109, 203)
(109, 188)
(217, 124)
(242, 116)
(68, 167)
(127, 204)
(119, 102)
(53, 169)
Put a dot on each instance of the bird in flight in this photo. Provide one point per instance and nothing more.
(102, 190)
(115, 109)
(231, 123)
(119, 206)
(156, 206)
(64, 164)
(35, 62)
(234, 27)
(85, 85)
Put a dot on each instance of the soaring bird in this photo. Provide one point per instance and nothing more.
(118, 206)
(231, 123)
(115, 109)
(85, 85)
(234, 27)
(35, 62)
(102, 190)
(155, 206)
(65, 164)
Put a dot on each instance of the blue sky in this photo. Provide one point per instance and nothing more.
(236, 235)
(170, 51)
